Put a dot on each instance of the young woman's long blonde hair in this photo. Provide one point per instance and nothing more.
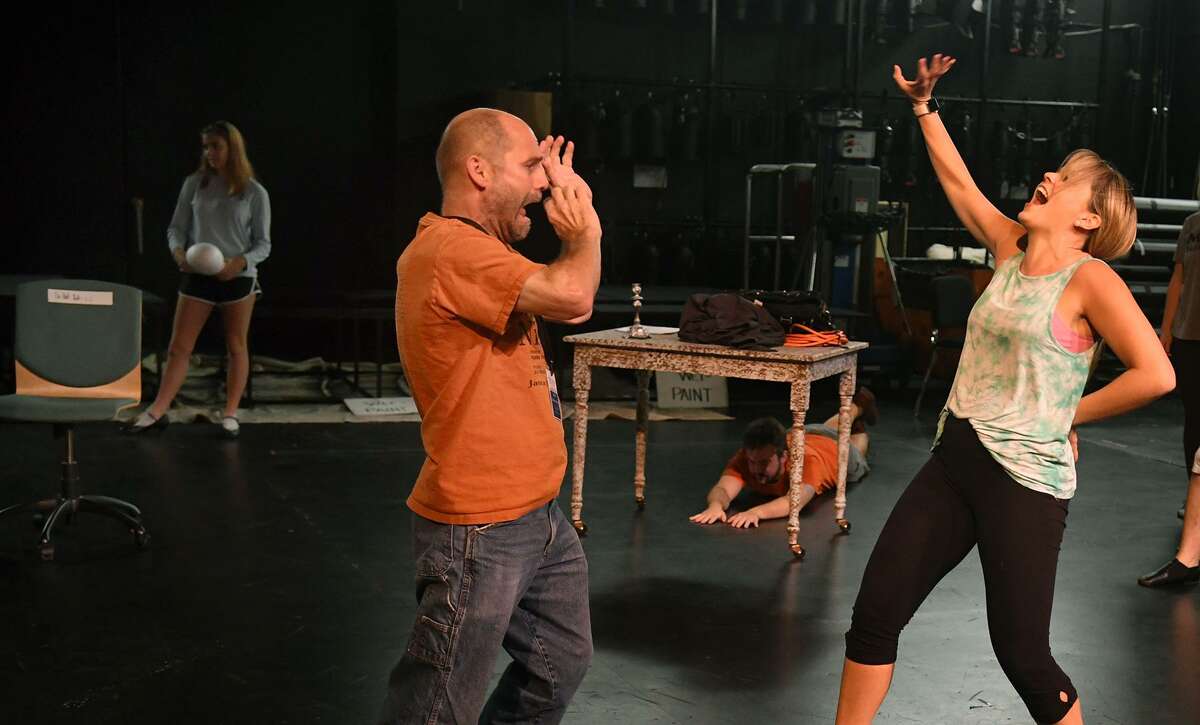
(238, 170)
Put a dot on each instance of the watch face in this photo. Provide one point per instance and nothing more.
(934, 106)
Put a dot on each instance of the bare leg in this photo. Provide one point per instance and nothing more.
(1189, 541)
(237, 332)
(190, 316)
(863, 690)
(1074, 716)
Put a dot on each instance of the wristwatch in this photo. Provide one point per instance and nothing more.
(931, 106)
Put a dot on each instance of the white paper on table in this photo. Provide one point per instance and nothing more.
(652, 329)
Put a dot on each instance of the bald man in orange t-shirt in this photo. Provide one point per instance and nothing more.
(498, 565)
(762, 466)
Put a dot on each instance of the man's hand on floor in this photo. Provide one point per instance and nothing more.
(710, 515)
(744, 520)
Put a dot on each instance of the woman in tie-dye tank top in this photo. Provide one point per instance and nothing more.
(1002, 470)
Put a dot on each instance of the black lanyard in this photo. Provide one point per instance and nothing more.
(543, 340)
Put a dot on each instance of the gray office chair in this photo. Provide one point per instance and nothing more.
(953, 298)
(78, 359)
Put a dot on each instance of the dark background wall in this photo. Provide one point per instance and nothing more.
(342, 104)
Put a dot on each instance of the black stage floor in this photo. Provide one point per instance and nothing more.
(277, 588)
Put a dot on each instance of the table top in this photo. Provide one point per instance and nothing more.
(670, 342)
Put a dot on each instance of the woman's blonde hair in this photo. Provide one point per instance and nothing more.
(1112, 200)
(237, 166)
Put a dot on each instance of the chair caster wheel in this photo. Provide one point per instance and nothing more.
(141, 538)
(46, 551)
(844, 525)
(580, 527)
(641, 503)
(798, 552)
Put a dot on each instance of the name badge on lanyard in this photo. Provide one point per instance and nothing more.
(552, 386)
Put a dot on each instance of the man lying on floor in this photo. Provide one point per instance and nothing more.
(762, 465)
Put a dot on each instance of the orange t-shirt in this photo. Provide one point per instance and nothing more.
(820, 468)
(494, 450)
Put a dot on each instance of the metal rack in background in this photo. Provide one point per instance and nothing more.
(780, 171)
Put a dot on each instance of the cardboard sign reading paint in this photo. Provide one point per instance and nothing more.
(689, 390)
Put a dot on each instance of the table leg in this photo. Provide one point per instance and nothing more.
(846, 385)
(643, 414)
(583, 383)
(799, 406)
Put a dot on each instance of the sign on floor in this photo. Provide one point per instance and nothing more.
(382, 406)
(690, 390)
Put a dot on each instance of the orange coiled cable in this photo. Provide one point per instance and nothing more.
(812, 338)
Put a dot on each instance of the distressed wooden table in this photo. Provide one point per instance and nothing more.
(797, 366)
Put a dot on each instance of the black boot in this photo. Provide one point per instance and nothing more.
(1171, 574)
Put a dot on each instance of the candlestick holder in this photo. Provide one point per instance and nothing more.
(636, 331)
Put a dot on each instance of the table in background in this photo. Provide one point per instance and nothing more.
(797, 366)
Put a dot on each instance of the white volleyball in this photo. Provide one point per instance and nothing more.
(205, 258)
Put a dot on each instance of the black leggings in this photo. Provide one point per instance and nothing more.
(960, 498)
(1186, 356)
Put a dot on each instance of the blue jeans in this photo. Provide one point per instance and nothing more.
(521, 585)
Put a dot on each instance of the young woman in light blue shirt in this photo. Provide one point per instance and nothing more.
(223, 205)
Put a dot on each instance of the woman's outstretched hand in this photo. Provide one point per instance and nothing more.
(928, 74)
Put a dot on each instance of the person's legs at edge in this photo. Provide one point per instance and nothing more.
(236, 317)
(1187, 358)
(1189, 540)
(928, 533)
(1185, 355)
(469, 581)
(549, 637)
(190, 316)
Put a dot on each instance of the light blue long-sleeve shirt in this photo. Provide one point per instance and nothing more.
(237, 225)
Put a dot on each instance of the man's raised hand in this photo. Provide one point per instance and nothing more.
(558, 156)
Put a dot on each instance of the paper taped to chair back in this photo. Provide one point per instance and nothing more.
(79, 297)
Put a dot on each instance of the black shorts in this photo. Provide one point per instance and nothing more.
(215, 292)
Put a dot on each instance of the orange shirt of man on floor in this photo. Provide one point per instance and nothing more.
(819, 472)
(762, 466)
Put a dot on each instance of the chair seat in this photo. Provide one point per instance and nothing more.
(38, 409)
